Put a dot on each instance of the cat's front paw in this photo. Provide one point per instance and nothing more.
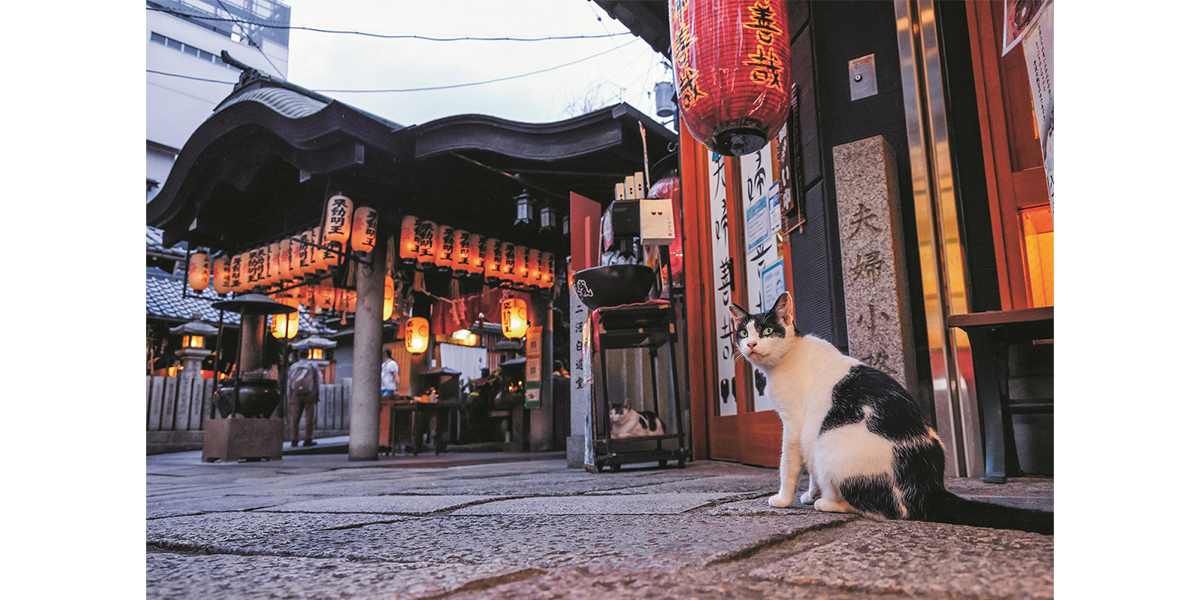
(780, 501)
(807, 498)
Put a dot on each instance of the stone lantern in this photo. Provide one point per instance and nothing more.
(193, 352)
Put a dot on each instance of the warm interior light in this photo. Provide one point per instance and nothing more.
(443, 250)
(1037, 228)
(492, 257)
(408, 239)
(462, 252)
(316, 353)
(193, 341)
(416, 335)
(389, 296)
(514, 317)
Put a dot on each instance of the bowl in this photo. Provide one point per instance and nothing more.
(613, 285)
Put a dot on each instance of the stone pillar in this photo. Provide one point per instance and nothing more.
(878, 319)
(580, 367)
(368, 359)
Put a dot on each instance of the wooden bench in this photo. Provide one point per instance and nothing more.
(991, 334)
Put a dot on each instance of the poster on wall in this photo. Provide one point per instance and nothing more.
(533, 368)
(764, 266)
(1019, 17)
(722, 286)
(1038, 45)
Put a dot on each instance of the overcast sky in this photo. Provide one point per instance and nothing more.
(324, 61)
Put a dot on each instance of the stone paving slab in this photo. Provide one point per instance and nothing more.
(403, 505)
(202, 531)
(657, 504)
(903, 557)
(176, 576)
(636, 542)
(177, 507)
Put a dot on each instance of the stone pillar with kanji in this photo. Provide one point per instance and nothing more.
(874, 278)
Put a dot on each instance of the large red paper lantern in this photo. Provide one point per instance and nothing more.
(732, 71)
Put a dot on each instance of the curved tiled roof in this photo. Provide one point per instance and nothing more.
(165, 300)
(286, 102)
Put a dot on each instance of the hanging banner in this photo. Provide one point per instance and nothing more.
(1038, 44)
(722, 286)
(764, 266)
(1019, 16)
(533, 368)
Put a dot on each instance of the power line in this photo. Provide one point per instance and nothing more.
(458, 85)
(250, 38)
(189, 77)
(427, 38)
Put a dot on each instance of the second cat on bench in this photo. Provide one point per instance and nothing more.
(627, 423)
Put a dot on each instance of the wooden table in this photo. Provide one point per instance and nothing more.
(419, 414)
(991, 333)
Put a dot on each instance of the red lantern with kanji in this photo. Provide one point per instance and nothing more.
(427, 243)
(362, 235)
(220, 275)
(475, 258)
(533, 263)
(408, 239)
(732, 71)
(508, 261)
(461, 257)
(443, 248)
(514, 317)
(492, 257)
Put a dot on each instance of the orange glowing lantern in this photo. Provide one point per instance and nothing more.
(221, 274)
(533, 262)
(339, 211)
(256, 267)
(198, 271)
(547, 270)
(272, 264)
(514, 317)
(285, 260)
(416, 335)
(366, 222)
(408, 239)
(461, 257)
(475, 254)
(236, 272)
(520, 268)
(427, 243)
(443, 250)
(732, 71)
(323, 296)
(389, 296)
(492, 257)
(286, 326)
(508, 261)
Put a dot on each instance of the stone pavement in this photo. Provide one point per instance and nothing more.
(320, 526)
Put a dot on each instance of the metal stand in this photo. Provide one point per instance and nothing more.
(650, 326)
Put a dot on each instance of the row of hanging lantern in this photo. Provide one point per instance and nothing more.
(429, 245)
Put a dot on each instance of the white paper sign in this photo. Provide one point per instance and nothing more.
(722, 286)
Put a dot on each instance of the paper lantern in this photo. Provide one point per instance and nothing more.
(273, 275)
(236, 272)
(520, 268)
(362, 235)
(443, 249)
(345, 300)
(492, 257)
(198, 271)
(285, 260)
(508, 261)
(533, 263)
(286, 326)
(389, 296)
(220, 274)
(427, 243)
(461, 256)
(255, 267)
(323, 296)
(732, 71)
(416, 335)
(514, 317)
(547, 270)
(475, 254)
(338, 212)
(408, 239)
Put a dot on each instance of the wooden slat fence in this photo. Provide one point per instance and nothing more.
(184, 404)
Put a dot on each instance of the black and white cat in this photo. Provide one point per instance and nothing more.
(867, 448)
(627, 422)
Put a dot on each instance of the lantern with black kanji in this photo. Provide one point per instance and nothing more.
(475, 248)
(732, 71)
(416, 335)
(508, 261)
(427, 243)
(220, 274)
(443, 250)
(236, 272)
(408, 239)
(492, 257)
(547, 270)
(198, 271)
(520, 269)
(323, 296)
(362, 235)
(461, 257)
(533, 265)
(285, 260)
(514, 317)
(339, 211)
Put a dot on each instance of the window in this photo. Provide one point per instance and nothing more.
(1037, 231)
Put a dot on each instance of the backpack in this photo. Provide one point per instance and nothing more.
(304, 378)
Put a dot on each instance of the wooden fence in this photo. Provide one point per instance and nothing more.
(177, 408)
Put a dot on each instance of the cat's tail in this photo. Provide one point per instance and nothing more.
(944, 507)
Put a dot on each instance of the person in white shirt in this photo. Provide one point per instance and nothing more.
(389, 376)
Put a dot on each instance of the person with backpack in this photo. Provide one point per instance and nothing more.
(303, 392)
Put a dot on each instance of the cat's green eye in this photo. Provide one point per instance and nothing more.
(743, 333)
(767, 330)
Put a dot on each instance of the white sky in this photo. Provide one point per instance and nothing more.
(322, 61)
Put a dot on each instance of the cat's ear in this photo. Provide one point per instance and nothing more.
(784, 313)
(739, 315)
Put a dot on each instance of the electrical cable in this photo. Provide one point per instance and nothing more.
(253, 44)
(190, 77)
(384, 35)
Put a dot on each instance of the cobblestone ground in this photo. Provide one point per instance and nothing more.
(323, 527)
